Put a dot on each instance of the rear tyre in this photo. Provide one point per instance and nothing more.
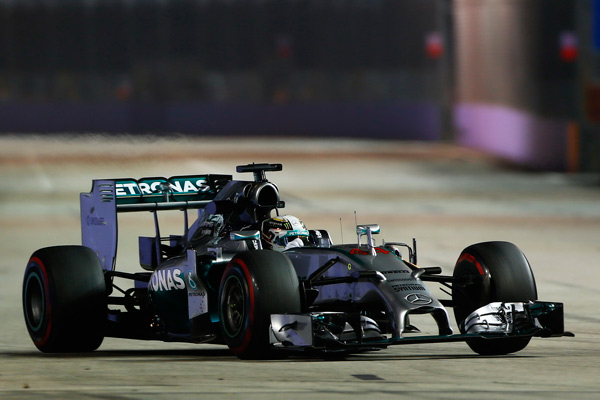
(499, 272)
(64, 299)
(255, 285)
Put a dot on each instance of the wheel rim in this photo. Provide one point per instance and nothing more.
(233, 306)
(35, 306)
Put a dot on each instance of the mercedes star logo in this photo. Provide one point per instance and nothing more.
(418, 299)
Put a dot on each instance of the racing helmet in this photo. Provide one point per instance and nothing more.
(284, 232)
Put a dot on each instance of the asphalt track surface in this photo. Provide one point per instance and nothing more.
(446, 197)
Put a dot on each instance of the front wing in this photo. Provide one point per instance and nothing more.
(338, 332)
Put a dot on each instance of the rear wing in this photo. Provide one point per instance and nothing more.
(99, 208)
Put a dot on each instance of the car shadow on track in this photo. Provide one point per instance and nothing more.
(224, 354)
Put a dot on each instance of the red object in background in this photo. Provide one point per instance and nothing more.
(283, 44)
(434, 45)
(568, 46)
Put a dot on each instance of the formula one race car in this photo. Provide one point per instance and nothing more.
(263, 284)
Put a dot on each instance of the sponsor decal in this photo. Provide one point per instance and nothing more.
(191, 282)
(366, 252)
(166, 280)
(418, 299)
(90, 220)
(401, 279)
(149, 187)
(395, 271)
(197, 297)
(175, 188)
(280, 223)
(407, 287)
(128, 188)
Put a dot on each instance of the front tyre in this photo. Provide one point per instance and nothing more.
(64, 299)
(255, 285)
(498, 271)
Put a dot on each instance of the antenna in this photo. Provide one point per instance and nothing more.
(355, 220)
(341, 230)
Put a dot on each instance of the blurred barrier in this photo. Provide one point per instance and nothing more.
(517, 136)
(393, 120)
(516, 80)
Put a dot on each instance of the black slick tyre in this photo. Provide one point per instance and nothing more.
(64, 299)
(255, 285)
(498, 271)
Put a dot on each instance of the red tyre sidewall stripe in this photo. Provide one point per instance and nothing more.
(248, 333)
(48, 306)
(470, 258)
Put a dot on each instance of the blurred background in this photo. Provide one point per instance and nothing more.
(517, 78)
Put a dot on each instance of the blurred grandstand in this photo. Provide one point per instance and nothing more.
(217, 50)
(480, 72)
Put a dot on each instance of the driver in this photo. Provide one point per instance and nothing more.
(284, 232)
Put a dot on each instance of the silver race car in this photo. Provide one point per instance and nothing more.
(245, 275)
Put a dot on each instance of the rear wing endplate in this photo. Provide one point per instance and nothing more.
(99, 208)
